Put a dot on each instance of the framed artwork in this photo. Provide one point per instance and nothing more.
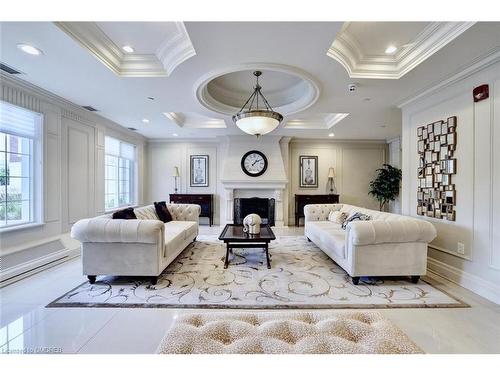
(199, 171)
(436, 146)
(308, 172)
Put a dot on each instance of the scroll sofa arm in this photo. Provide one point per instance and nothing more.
(117, 230)
(381, 231)
(184, 212)
(319, 212)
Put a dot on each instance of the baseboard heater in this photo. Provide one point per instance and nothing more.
(23, 263)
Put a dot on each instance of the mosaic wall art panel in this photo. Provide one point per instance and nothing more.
(436, 145)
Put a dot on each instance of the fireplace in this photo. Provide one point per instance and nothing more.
(264, 207)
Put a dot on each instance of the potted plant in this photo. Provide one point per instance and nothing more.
(385, 187)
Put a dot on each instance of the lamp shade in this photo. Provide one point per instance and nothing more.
(176, 172)
(331, 173)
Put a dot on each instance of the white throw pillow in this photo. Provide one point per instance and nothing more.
(337, 217)
(146, 213)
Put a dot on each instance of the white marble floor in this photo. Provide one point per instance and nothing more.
(26, 325)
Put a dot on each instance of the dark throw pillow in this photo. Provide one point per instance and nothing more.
(163, 212)
(127, 214)
(354, 217)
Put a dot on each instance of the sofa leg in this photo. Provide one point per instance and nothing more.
(355, 280)
(414, 279)
(91, 278)
(153, 280)
(308, 240)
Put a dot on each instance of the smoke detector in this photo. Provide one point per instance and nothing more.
(352, 87)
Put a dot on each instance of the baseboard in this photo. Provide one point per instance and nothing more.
(467, 280)
(20, 271)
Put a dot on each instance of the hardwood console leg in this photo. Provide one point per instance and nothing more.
(91, 278)
(154, 280)
(355, 280)
(308, 240)
(414, 279)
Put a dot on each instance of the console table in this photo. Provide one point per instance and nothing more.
(205, 201)
(302, 199)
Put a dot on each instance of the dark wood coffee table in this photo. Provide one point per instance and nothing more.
(234, 237)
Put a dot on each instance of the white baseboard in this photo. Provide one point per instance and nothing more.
(21, 271)
(467, 280)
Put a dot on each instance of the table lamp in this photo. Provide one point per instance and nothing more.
(176, 175)
(331, 176)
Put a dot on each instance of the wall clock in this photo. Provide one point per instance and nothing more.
(254, 163)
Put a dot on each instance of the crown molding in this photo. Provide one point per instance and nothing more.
(348, 52)
(325, 121)
(22, 88)
(185, 120)
(310, 88)
(176, 49)
(482, 62)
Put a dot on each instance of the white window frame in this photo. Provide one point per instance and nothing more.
(132, 175)
(36, 173)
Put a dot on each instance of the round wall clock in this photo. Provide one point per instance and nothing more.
(254, 163)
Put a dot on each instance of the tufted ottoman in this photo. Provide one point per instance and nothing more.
(281, 333)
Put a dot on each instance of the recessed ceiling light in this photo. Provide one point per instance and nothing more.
(30, 49)
(331, 135)
(391, 49)
(175, 134)
(128, 49)
(145, 120)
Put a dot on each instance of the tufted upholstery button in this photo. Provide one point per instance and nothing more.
(286, 333)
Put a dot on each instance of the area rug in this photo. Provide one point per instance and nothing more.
(286, 333)
(302, 276)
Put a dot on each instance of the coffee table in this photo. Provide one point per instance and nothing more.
(234, 237)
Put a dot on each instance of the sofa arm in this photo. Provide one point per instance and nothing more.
(117, 230)
(184, 212)
(319, 212)
(380, 231)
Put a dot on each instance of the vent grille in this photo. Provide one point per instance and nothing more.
(89, 108)
(9, 69)
(133, 129)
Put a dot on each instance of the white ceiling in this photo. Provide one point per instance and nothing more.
(69, 70)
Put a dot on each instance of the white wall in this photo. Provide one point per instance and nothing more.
(395, 161)
(354, 162)
(164, 156)
(73, 164)
(477, 181)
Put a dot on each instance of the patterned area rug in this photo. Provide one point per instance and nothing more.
(286, 333)
(302, 276)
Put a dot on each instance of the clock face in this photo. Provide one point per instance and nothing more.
(254, 163)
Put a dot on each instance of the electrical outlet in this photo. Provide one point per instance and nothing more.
(461, 248)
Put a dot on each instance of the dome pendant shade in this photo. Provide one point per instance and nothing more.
(257, 121)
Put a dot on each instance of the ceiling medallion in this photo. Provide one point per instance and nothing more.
(254, 120)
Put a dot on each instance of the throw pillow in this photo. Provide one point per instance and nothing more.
(354, 217)
(126, 213)
(146, 213)
(163, 212)
(337, 217)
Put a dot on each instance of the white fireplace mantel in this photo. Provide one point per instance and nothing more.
(255, 184)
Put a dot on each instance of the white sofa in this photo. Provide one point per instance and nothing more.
(387, 245)
(137, 247)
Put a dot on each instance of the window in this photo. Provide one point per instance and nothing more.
(119, 167)
(20, 166)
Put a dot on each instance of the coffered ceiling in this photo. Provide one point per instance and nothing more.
(362, 47)
(187, 79)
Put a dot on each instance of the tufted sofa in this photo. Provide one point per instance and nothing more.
(387, 245)
(139, 247)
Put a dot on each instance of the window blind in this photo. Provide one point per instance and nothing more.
(18, 121)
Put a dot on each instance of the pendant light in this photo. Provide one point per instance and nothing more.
(254, 120)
